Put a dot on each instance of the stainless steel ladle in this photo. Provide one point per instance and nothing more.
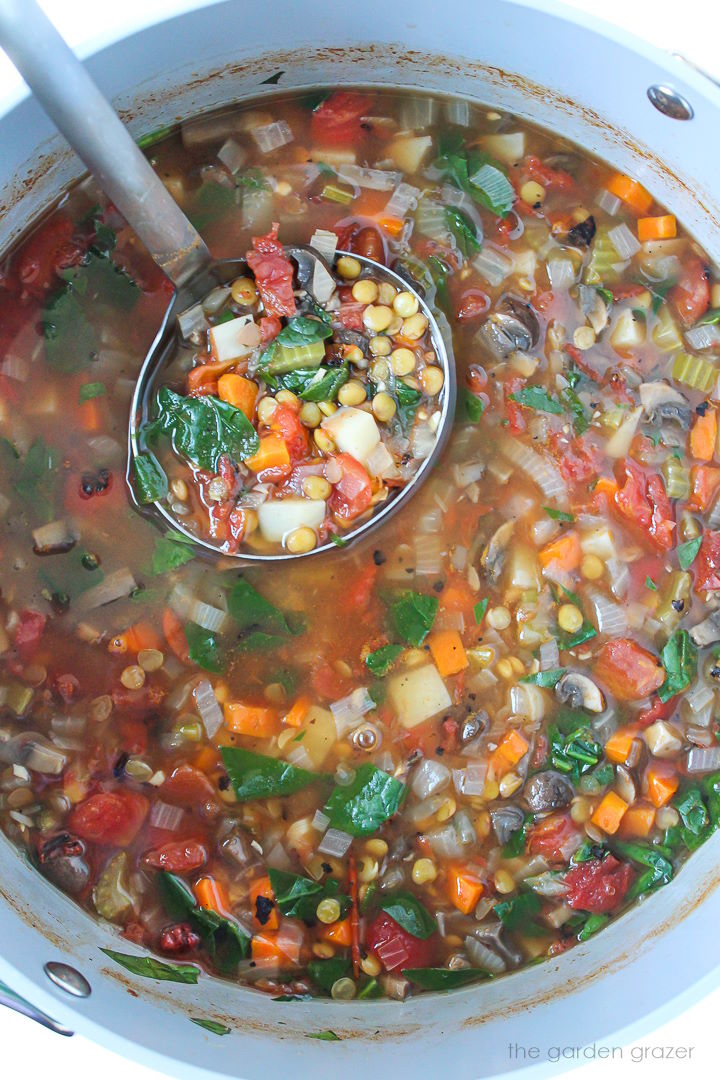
(73, 101)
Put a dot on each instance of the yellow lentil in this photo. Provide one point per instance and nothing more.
(365, 291)
(383, 407)
(423, 871)
(316, 487)
(301, 540)
(405, 304)
(348, 268)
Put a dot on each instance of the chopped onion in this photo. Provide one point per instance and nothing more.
(703, 759)
(538, 469)
(703, 337)
(623, 241)
(445, 842)
(422, 442)
(475, 775)
(232, 155)
(429, 554)
(482, 957)
(325, 243)
(380, 461)
(609, 617)
(16, 367)
(458, 113)
(300, 757)
(430, 522)
(349, 711)
(116, 586)
(290, 938)
(418, 112)
(450, 620)
(494, 265)
(210, 618)
(549, 655)
(458, 559)
(619, 574)
(431, 221)
(549, 883)
(608, 202)
(403, 199)
(375, 179)
(215, 299)
(335, 842)
(271, 137)
(278, 858)
(208, 707)
(164, 816)
(430, 777)
(55, 538)
(320, 821)
(561, 272)
(468, 473)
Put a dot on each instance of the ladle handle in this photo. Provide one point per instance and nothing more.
(92, 127)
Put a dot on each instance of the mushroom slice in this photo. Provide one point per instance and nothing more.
(547, 791)
(593, 307)
(707, 632)
(662, 402)
(493, 556)
(579, 692)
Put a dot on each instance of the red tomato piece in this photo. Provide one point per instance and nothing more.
(555, 838)
(691, 295)
(270, 327)
(471, 305)
(643, 500)
(629, 671)
(287, 423)
(48, 250)
(352, 494)
(659, 710)
(28, 633)
(350, 315)
(328, 683)
(138, 702)
(110, 818)
(552, 179)
(187, 786)
(598, 885)
(395, 948)
(273, 273)
(134, 736)
(707, 563)
(338, 120)
(177, 857)
(578, 462)
(360, 593)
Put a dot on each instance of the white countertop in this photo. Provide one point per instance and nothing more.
(686, 1044)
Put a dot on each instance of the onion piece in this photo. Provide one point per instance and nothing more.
(320, 821)
(335, 842)
(55, 538)
(349, 710)
(429, 554)
(232, 155)
(481, 956)
(208, 707)
(430, 777)
(608, 202)
(619, 575)
(15, 367)
(540, 470)
(610, 618)
(116, 586)
(325, 243)
(107, 450)
(403, 199)
(623, 241)
(493, 265)
(269, 137)
(375, 179)
(549, 655)
(703, 337)
(561, 272)
(164, 816)
(703, 759)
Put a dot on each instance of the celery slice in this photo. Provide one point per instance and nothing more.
(287, 358)
(694, 372)
(602, 259)
(676, 477)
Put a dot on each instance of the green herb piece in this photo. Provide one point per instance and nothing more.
(655, 858)
(303, 331)
(337, 540)
(606, 294)
(408, 399)
(413, 615)
(544, 678)
(587, 851)
(474, 406)
(696, 824)
(479, 610)
(171, 551)
(710, 318)
(463, 229)
(687, 552)
(649, 583)
(151, 483)
(91, 390)
(363, 806)
(438, 978)
(537, 397)
(314, 100)
(324, 1036)
(70, 340)
(410, 914)
(213, 1026)
(224, 940)
(592, 925)
(204, 648)
(592, 783)
(150, 968)
(264, 626)
(210, 203)
(580, 418)
(325, 973)
(586, 632)
(573, 749)
(203, 429)
(297, 897)
(371, 990)
(474, 172)
(34, 479)
(558, 515)
(515, 846)
(517, 913)
(659, 292)
(294, 997)
(679, 658)
(312, 384)
(153, 136)
(256, 776)
(382, 660)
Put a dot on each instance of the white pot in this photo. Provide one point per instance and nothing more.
(572, 75)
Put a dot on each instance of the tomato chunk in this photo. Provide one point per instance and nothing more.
(177, 857)
(273, 273)
(629, 671)
(338, 120)
(287, 423)
(395, 948)
(599, 885)
(643, 500)
(187, 786)
(28, 633)
(555, 837)
(691, 295)
(352, 494)
(110, 818)
(707, 563)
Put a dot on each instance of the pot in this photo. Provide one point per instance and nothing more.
(547, 65)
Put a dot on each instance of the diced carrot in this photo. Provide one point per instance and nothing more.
(265, 947)
(296, 715)
(605, 486)
(339, 933)
(139, 636)
(564, 553)
(448, 652)
(619, 745)
(211, 893)
(662, 782)
(513, 746)
(238, 391)
(255, 720)
(638, 821)
(272, 454)
(261, 887)
(206, 374)
(91, 414)
(609, 813)
(370, 202)
(630, 192)
(391, 225)
(704, 482)
(463, 888)
(175, 635)
(663, 227)
(703, 436)
(206, 759)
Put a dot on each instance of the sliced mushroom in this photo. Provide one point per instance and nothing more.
(582, 234)
(62, 861)
(492, 934)
(579, 692)
(506, 820)
(512, 327)
(662, 402)
(625, 784)
(593, 307)
(493, 557)
(547, 791)
(707, 632)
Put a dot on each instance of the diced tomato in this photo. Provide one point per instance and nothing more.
(707, 563)
(48, 250)
(662, 522)
(138, 702)
(577, 460)
(273, 273)
(643, 501)
(555, 838)
(513, 411)
(287, 423)
(352, 494)
(187, 786)
(551, 179)
(338, 120)
(360, 593)
(658, 710)
(270, 327)
(328, 683)
(629, 671)
(178, 856)
(598, 885)
(471, 305)
(133, 736)
(110, 818)
(690, 296)
(28, 632)
(350, 314)
(395, 948)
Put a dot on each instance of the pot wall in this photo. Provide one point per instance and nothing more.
(559, 73)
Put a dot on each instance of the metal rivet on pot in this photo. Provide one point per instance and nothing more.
(68, 979)
(670, 103)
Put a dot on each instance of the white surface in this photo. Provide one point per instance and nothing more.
(683, 1043)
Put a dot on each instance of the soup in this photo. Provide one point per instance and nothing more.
(431, 758)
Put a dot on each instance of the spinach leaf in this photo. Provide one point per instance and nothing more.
(558, 515)
(210, 203)
(687, 552)
(408, 399)
(515, 846)
(537, 397)
(382, 660)
(598, 779)
(463, 229)
(679, 658)
(151, 483)
(264, 626)
(438, 978)
(298, 897)
(176, 895)
(363, 806)
(580, 418)
(256, 776)
(655, 858)
(711, 790)
(479, 610)
(224, 940)
(327, 972)
(372, 989)
(202, 429)
(413, 615)
(171, 551)
(70, 340)
(585, 633)
(303, 331)
(410, 914)
(573, 749)
(204, 648)
(516, 913)
(544, 678)
(150, 968)
(472, 171)
(254, 179)
(474, 406)
(659, 291)
(91, 390)
(34, 481)
(592, 924)
(696, 824)
(212, 1026)
(312, 384)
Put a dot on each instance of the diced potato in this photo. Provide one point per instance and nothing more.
(522, 569)
(618, 445)
(666, 334)
(509, 147)
(663, 740)
(333, 155)
(234, 339)
(408, 153)
(629, 332)
(320, 734)
(354, 432)
(599, 542)
(418, 695)
(278, 517)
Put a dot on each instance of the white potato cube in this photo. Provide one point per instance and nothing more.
(278, 517)
(234, 339)
(408, 153)
(663, 740)
(629, 332)
(418, 695)
(353, 432)
(599, 542)
(509, 147)
(320, 734)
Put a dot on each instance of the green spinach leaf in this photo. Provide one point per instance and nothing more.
(171, 551)
(202, 429)
(256, 776)
(519, 912)
(298, 897)
(327, 972)
(363, 806)
(382, 660)
(679, 658)
(544, 678)
(537, 397)
(687, 552)
(151, 483)
(204, 648)
(410, 914)
(463, 229)
(439, 978)
(213, 1026)
(303, 331)
(413, 615)
(150, 968)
